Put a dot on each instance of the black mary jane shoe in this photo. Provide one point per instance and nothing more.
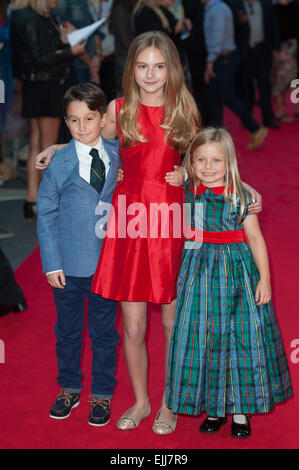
(29, 212)
(241, 431)
(211, 426)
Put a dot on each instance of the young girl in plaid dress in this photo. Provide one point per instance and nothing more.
(226, 354)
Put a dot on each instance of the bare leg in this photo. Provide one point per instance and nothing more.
(168, 316)
(165, 422)
(134, 319)
(280, 109)
(43, 133)
(49, 129)
(33, 175)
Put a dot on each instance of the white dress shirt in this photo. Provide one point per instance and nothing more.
(85, 160)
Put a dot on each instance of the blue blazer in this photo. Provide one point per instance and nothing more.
(66, 210)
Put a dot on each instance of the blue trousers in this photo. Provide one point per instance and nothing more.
(68, 330)
(221, 91)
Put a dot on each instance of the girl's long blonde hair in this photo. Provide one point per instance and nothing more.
(39, 6)
(233, 181)
(157, 10)
(181, 118)
(19, 4)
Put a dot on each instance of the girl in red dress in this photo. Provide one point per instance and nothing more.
(154, 123)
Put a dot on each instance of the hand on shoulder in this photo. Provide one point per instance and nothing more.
(256, 206)
(176, 177)
(43, 158)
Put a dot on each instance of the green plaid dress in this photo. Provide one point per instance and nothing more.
(226, 353)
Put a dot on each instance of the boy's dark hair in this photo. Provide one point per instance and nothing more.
(90, 93)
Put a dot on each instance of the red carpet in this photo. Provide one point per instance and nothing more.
(28, 376)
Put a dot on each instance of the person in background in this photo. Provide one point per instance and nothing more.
(297, 35)
(102, 9)
(76, 13)
(221, 68)
(21, 15)
(122, 29)
(11, 295)
(285, 70)
(257, 40)
(42, 60)
(196, 52)
(5, 66)
(176, 8)
(151, 15)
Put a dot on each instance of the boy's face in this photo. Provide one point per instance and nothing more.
(84, 124)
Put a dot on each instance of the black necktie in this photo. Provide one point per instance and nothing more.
(97, 171)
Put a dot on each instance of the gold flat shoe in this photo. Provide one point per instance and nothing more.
(164, 426)
(129, 421)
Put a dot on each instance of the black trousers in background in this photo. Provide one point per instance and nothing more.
(255, 68)
(10, 292)
(107, 77)
(197, 65)
(221, 91)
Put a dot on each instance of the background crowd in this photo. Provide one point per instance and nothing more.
(35, 51)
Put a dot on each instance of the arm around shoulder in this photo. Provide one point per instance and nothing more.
(109, 130)
(256, 206)
(43, 158)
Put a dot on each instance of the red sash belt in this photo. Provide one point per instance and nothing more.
(231, 236)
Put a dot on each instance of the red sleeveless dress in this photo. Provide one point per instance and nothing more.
(141, 256)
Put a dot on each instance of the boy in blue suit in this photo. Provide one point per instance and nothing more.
(81, 177)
